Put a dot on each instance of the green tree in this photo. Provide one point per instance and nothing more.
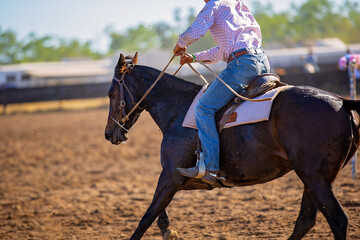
(9, 46)
(308, 21)
(138, 38)
(274, 26)
(38, 49)
(313, 19)
(351, 34)
(160, 35)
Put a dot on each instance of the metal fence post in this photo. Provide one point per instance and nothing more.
(352, 79)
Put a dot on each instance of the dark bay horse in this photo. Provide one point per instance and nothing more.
(311, 131)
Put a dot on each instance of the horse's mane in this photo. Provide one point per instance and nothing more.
(151, 74)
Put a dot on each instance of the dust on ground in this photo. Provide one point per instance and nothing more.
(60, 179)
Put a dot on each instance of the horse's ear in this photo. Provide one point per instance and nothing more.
(121, 63)
(135, 59)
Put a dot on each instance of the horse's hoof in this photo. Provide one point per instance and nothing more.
(171, 235)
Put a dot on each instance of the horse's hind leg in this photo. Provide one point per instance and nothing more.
(164, 193)
(307, 217)
(163, 223)
(325, 200)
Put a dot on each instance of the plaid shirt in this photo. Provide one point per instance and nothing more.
(348, 58)
(231, 25)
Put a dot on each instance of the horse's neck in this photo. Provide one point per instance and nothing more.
(169, 99)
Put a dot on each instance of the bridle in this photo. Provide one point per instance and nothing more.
(123, 117)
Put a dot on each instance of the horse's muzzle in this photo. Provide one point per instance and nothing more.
(116, 136)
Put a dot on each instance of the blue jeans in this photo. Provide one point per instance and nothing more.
(237, 75)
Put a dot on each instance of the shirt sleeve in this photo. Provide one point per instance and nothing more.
(199, 27)
(213, 55)
(343, 63)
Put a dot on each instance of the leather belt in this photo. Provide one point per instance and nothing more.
(244, 51)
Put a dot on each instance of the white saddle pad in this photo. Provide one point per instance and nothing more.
(246, 113)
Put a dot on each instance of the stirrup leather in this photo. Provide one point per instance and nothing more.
(201, 165)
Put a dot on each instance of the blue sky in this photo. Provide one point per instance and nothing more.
(87, 19)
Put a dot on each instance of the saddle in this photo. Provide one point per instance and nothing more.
(258, 86)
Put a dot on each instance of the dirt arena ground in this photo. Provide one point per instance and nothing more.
(60, 179)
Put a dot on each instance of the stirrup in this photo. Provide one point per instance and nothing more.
(210, 178)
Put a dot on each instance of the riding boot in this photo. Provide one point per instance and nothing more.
(189, 172)
(209, 177)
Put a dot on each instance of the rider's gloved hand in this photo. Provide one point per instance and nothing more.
(179, 50)
(186, 59)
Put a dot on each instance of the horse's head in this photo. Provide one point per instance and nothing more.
(123, 98)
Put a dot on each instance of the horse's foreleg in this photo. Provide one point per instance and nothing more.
(307, 217)
(164, 193)
(163, 223)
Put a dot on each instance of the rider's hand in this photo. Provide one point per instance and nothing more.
(186, 59)
(179, 50)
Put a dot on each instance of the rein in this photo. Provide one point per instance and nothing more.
(125, 117)
(223, 82)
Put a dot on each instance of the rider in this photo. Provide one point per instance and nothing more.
(346, 60)
(238, 36)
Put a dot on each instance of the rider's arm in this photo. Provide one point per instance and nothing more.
(199, 27)
(211, 56)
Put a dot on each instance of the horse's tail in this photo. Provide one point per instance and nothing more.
(353, 105)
